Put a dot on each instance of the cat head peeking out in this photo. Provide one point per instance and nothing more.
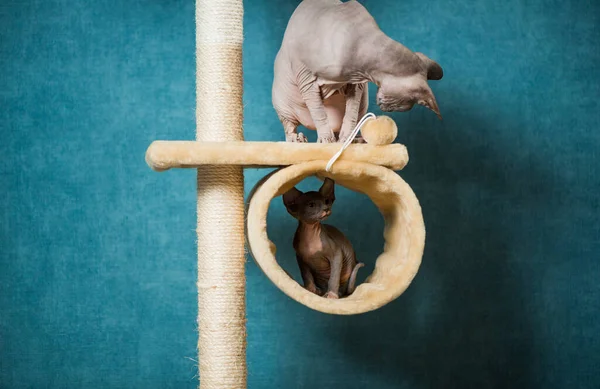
(311, 207)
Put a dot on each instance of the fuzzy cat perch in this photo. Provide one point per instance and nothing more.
(364, 168)
(220, 154)
(378, 133)
(404, 233)
(164, 155)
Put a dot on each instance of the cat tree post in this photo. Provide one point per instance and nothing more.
(220, 207)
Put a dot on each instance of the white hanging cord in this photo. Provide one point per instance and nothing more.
(349, 140)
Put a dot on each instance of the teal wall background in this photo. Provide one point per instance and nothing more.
(97, 257)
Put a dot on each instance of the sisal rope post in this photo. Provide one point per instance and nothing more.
(220, 209)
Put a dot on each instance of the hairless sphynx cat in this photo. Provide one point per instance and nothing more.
(330, 51)
(325, 256)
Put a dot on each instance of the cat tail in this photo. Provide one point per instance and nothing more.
(352, 279)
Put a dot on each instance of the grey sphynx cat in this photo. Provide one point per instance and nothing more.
(330, 51)
(325, 256)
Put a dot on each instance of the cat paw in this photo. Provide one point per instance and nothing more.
(331, 295)
(313, 289)
(296, 138)
(327, 139)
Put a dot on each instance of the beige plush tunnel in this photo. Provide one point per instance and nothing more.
(404, 233)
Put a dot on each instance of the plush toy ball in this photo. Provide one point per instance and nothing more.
(379, 131)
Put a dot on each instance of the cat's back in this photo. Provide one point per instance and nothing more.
(307, 17)
(315, 22)
(324, 36)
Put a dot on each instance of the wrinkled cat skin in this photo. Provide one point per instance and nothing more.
(329, 53)
(325, 256)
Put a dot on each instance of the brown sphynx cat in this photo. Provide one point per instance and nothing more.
(326, 258)
(330, 51)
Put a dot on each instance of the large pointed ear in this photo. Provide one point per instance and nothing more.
(290, 198)
(426, 98)
(434, 70)
(327, 190)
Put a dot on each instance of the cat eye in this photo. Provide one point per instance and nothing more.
(328, 201)
(311, 205)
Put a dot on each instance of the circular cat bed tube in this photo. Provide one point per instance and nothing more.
(404, 233)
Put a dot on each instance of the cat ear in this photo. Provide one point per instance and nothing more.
(327, 190)
(434, 70)
(289, 199)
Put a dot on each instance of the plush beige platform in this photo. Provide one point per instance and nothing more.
(364, 168)
(404, 233)
(164, 155)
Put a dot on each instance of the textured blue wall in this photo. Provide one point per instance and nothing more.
(97, 252)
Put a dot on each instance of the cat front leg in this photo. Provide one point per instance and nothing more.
(291, 132)
(286, 115)
(311, 94)
(355, 95)
(333, 286)
(307, 277)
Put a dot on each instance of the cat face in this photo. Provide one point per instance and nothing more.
(310, 207)
(400, 94)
